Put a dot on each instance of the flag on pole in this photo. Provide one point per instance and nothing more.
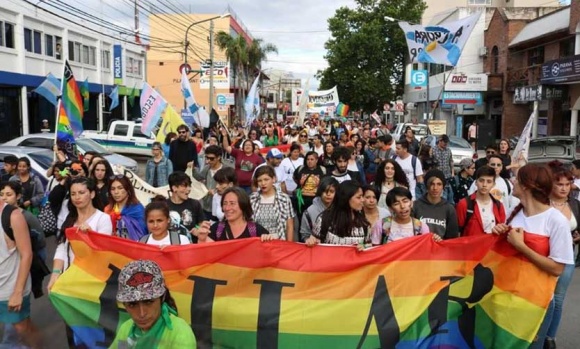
(520, 153)
(171, 121)
(252, 104)
(303, 105)
(70, 114)
(342, 109)
(376, 117)
(114, 96)
(203, 117)
(439, 44)
(134, 92)
(187, 93)
(49, 89)
(85, 94)
(152, 107)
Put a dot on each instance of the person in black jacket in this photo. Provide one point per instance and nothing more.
(182, 151)
(340, 156)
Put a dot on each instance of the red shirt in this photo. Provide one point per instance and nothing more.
(475, 225)
(245, 165)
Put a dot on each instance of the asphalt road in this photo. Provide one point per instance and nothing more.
(52, 329)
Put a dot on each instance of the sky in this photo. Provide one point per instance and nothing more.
(298, 28)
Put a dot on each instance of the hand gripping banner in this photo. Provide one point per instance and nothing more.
(473, 292)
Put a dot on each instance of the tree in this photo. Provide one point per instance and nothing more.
(246, 60)
(366, 53)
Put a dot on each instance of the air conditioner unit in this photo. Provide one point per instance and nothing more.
(483, 51)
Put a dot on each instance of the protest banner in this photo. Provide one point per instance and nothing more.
(476, 292)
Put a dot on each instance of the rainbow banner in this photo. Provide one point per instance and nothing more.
(342, 109)
(473, 292)
(70, 114)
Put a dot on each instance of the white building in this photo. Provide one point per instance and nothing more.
(34, 42)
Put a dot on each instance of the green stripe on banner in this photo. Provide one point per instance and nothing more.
(492, 333)
(80, 312)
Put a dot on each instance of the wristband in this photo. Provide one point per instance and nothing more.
(57, 271)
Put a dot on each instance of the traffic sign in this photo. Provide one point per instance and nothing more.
(419, 78)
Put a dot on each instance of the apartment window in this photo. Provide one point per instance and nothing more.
(58, 47)
(28, 39)
(106, 59)
(37, 42)
(6, 34)
(85, 54)
(495, 60)
(479, 2)
(139, 67)
(567, 48)
(129, 65)
(92, 55)
(536, 56)
(49, 45)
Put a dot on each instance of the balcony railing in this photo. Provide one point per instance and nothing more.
(523, 77)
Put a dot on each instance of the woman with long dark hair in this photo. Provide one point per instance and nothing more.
(325, 159)
(102, 172)
(344, 222)
(32, 188)
(308, 178)
(127, 213)
(389, 175)
(506, 158)
(535, 216)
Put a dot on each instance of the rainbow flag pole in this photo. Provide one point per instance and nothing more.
(69, 124)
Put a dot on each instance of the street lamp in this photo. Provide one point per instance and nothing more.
(211, 49)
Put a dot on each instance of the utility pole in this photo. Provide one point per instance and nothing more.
(280, 102)
(210, 66)
(137, 39)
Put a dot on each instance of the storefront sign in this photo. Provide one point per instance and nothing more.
(561, 70)
(466, 82)
(221, 75)
(118, 64)
(419, 78)
(526, 94)
(462, 98)
(225, 99)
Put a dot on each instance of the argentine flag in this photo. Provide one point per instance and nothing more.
(49, 89)
(114, 96)
(188, 94)
(252, 105)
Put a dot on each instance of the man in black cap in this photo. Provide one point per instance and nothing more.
(433, 210)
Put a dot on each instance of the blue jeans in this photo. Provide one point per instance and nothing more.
(553, 316)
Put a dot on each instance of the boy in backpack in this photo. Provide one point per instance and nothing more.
(401, 224)
(479, 212)
(503, 188)
(16, 257)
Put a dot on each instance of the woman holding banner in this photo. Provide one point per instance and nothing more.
(344, 222)
(127, 213)
(548, 243)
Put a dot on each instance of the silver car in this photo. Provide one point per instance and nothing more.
(40, 159)
(46, 141)
(460, 148)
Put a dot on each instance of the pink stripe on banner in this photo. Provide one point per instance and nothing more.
(152, 107)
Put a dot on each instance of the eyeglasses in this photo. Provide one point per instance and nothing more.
(210, 158)
(302, 136)
(118, 176)
(182, 132)
(495, 165)
(490, 152)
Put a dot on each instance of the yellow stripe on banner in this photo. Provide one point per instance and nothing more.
(503, 308)
(68, 286)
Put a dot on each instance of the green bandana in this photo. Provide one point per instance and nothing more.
(151, 339)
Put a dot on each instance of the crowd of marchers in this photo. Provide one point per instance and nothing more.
(333, 182)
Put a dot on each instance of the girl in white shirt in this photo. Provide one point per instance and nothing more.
(85, 214)
(534, 215)
(158, 223)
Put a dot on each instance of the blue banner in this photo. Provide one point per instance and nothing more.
(118, 64)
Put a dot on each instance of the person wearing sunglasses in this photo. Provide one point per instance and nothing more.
(503, 189)
(182, 151)
(158, 168)
(489, 151)
(213, 163)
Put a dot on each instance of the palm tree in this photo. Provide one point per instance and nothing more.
(245, 59)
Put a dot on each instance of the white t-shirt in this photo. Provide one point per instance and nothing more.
(553, 224)
(280, 175)
(99, 222)
(501, 193)
(319, 150)
(406, 230)
(216, 206)
(487, 217)
(472, 131)
(166, 240)
(289, 166)
(407, 166)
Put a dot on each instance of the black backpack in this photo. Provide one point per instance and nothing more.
(38, 268)
(471, 207)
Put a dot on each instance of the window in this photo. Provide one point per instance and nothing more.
(106, 59)
(139, 66)
(71, 51)
(137, 133)
(28, 39)
(77, 51)
(495, 60)
(536, 56)
(121, 130)
(38, 142)
(6, 34)
(479, 2)
(85, 54)
(58, 47)
(92, 56)
(129, 65)
(49, 45)
(567, 48)
(37, 42)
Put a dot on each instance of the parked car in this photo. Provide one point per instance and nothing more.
(123, 137)
(46, 141)
(40, 159)
(421, 130)
(460, 148)
(546, 149)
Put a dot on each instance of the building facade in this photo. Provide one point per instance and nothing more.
(164, 64)
(34, 43)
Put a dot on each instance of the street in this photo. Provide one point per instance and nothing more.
(51, 326)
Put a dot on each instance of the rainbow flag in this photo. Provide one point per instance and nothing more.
(70, 114)
(473, 292)
(85, 93)
(342, 109)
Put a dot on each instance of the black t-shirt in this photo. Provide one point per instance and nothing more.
(227, 233)
(190, 212)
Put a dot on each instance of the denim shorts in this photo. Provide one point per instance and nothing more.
(10, 317)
